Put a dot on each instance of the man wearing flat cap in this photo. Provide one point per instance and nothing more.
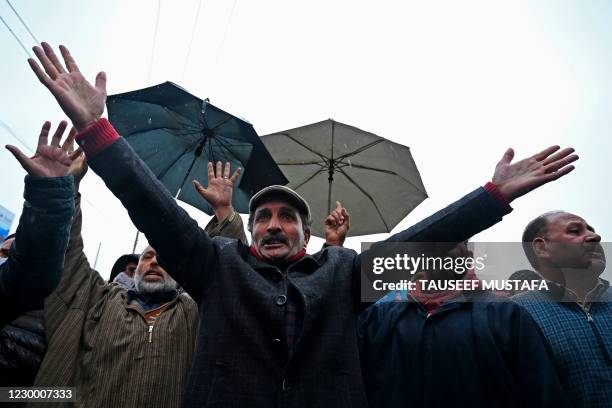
(277, 326)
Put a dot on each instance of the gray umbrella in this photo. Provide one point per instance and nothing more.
(374, 178)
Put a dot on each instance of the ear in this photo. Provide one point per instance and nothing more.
(306, 237)
(540, 248)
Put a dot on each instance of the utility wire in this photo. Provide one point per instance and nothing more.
(22, 22)
(229, 20)
(16, 38)
(193, 30)
(154, 41)
(20, 140)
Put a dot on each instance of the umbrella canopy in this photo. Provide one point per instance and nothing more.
(176, 134)
(374, 178)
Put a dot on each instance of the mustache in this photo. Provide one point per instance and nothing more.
(278, 236)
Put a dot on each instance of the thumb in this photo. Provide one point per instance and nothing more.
(21, 158)
(198, 186)
(338, 206)
(508, 156)
(101, 81)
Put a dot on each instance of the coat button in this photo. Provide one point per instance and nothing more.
(287, 384)
(281, 300)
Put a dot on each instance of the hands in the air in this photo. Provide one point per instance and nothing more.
(51, 159)
(219, 190)
(337, 225)
(517, 179)
(82, 102)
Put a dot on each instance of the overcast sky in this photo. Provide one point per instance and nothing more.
(457, 82)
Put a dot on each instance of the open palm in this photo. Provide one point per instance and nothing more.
(50, 159)
(218, 193)
(79, 99)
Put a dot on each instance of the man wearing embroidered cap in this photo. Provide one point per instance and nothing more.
(278, 326)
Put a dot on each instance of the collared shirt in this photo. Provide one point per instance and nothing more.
(580, 336)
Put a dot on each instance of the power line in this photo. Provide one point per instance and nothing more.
(12, 133)
(154, 41)
(195, 23)
(16, 38)
(22, 22)
(229, 20)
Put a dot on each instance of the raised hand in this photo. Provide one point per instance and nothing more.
(50, 160)
(517, 179)
(78, 167)
(219, 190)
(337, 225)
(82, 102)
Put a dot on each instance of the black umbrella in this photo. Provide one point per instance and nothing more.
(177, 134)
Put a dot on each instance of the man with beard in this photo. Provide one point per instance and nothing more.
(278, 326)
(125, 347)
(575, 312)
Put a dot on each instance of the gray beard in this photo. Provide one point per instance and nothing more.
(151, 288)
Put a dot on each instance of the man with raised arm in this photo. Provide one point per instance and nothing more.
(278, 325)
(126, 346)
(32, 266)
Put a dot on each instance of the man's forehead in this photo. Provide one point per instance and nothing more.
(275, 205)
(563, 218)
(149, 249)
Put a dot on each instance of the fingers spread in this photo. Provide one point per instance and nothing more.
(70, 62)
(557, 156)
(197, 186)
(59, 132)
(235, 175)
(21, 158)
(44, 133)
(219, 167)
(44, 60)
(555, 166)
(68, 145)
(75, 155)
(42, 77)
(545, 153)
(53, 58)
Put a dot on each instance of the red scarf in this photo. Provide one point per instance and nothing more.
(253, 251)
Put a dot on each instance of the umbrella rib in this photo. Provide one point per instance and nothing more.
(221, 124)
(309, 178)
(180, 119)
(323, 157)
(322, 164)
(359, 166)
(369, 198)
(222, 145)
(163, 172)
(361, 149)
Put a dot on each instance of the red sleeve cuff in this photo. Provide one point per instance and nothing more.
(503, 202)
(96, 137)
